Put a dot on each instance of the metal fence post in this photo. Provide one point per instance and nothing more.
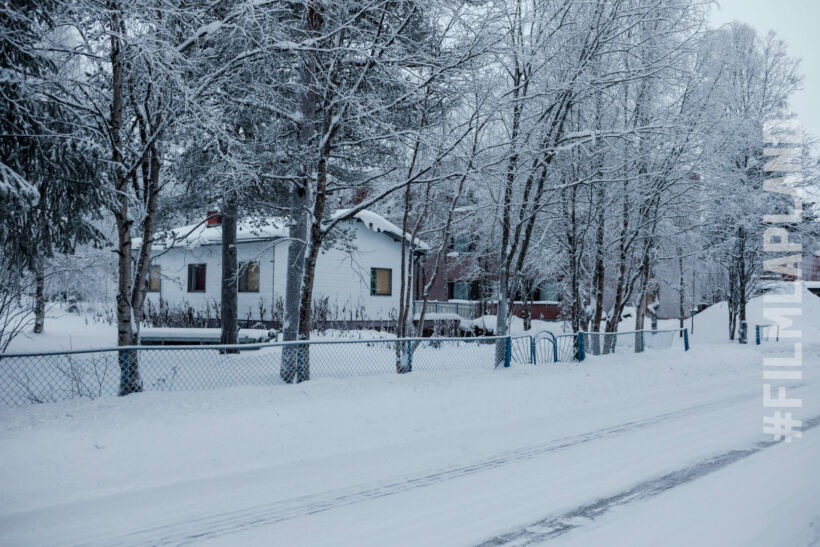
(554, 349)
(508, 352)
(685, 339)
(581, 352)
(125, 371)
(409, 356)
(532, 350)
(757, 335)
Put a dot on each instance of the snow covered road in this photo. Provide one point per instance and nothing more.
(617, 451)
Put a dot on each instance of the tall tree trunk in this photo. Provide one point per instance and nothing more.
(230, 268)
(599, 272)
(640, 310)
(570, 218)
(130, 381)
(527, 309)
(681, 292)
(39, 296)
(614, 316)
(623, 284)
(401, 326)
(518, 91)
(293, 357)
(741, 286)
(406, 327)
(503, 303)
(654, 304)
(501, 317)
(140, 286)
(405, 319)
(315, 236)
(599, 276)
(731, 303)
(297, 234)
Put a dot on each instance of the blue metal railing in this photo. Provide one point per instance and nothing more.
(550, 348)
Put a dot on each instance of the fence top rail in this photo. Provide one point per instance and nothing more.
(468, 339)
(544, 333)
(632, 331)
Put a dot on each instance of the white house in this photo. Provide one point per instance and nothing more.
(359, 274)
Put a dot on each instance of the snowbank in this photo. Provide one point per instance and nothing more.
(487, 323)
(712, 324)
(171, 334)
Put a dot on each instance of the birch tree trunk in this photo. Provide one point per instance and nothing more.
(732, 299)
(503, 303)
(130, 381)
(621, 288)
(151, 174)
(741, 284)
(640, 310)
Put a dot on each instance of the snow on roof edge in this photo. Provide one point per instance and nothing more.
(379, 224)
(196, 235)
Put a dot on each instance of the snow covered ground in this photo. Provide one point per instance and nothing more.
(512, 456)
(663, 447)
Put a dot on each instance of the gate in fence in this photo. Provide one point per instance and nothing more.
(767, 333)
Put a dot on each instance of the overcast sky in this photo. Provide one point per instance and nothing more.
(796, 22)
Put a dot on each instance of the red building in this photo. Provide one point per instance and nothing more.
(467, 285)
(811, 271)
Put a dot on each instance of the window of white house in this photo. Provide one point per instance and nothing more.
(248, 277)
(381, 281)
(196, 277)
(154, 278)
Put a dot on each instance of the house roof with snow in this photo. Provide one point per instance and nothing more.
(264, 229)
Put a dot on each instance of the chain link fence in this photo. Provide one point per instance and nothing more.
(27, 378)
(56, 376)
(550, 348)
(603, 343)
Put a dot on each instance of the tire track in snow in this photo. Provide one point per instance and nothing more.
(553, 526)
(220, 524)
